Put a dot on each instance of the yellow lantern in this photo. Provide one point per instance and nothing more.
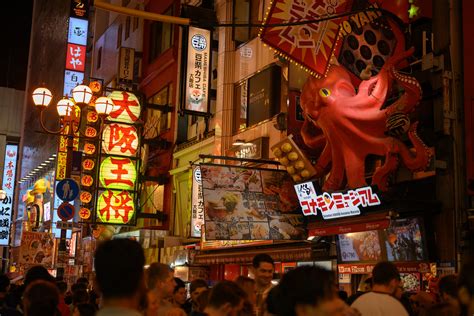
(115, 207)
(126, 107)
(118, 173)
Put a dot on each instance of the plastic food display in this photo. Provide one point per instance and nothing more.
(293, 159)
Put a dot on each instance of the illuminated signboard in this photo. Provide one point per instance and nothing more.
(9, 172)
(197, 73)
(115, 207)
(71, 80)
(197, 203)
(120, 139)
(126, 107)
(75, 57)
(118, 166)
(336, 204)
(118, 173)
(77, 33)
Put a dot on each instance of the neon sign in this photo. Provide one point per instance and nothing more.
(115, 207)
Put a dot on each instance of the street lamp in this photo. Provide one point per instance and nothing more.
(69, 111)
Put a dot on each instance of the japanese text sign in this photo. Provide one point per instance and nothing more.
(311, 45)
(75, 57)
(9, 172)
(337, 204)
(77, 33)
(120, 139)
(197, 203)
(126, 63)
(118, 173)
(126, 107)
(197, 73)
(115, 207)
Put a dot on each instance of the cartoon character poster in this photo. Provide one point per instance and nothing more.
(37, 249)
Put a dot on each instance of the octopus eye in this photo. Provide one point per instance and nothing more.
(324, 92)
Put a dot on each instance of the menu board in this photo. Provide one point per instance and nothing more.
(403, 240)
(252, 204)
(363, 246)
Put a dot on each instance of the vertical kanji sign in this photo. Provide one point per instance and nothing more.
(197, 203)
(119, 164)
(197, 73)
(9, 173)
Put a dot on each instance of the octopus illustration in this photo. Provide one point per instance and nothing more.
(346, 125)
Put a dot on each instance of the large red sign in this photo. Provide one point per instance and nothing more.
(311, 45)
(75, 57)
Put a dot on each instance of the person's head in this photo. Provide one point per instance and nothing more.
(120, 276)
(4, 283)
(466, 285)
(80, 297)
(448, 288)
(248, 285)
(62, 287)
(160, 278)
(386, 274)
(41, 298)
(196, 287)
(263, 268)
(201, 301)
(84, 310)
(343, 295)
(306, 291)
(227, 298)
(179, 292)
(78, 287)
(440, 309)
(83, 280)
(38, 273)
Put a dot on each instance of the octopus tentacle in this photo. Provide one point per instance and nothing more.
(422, 158)
(410, 98)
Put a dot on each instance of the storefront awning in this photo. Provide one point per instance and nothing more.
(245, 255)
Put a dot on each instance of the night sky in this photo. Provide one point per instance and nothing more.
(15, 28)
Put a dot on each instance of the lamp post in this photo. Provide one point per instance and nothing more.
(70, 123)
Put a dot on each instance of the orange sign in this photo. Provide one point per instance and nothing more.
(85, 197)
(91, 132)
(88, 164)
(87, 180)
(84, 213)
(89, 148)
(92, 116)
(95, 86)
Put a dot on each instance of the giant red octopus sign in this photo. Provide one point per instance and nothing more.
(351, 124)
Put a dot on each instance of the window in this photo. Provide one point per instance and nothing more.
(161, 36)
(157, 121)
(246, 11)
(258, 98)
(99, 57)
(127, 27)
(119, 36)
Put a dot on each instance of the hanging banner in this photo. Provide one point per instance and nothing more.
(6, 206)
(249, 204)
(197, 73)
(197, 203)
(37, 249)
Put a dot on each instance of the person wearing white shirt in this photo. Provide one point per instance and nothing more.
(380, 301)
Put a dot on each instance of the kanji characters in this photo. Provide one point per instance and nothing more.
(117, 206)
(118, 173)
(129, 104)
(122, 136)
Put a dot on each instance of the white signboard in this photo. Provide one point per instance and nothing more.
(197, 203)
(334, 205)
(47, 211)
(9, 172)
(126, 63)
(197, 73)
(71, 80)
(77, 33)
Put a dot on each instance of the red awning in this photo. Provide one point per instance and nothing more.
(349, 225)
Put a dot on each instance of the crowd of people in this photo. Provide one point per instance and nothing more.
(123, 287)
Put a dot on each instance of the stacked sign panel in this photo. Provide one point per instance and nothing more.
(6, 206)
(117, 181)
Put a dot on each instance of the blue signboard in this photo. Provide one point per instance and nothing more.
(67, 189)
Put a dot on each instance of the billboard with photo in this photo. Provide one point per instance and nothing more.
(250, 203)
